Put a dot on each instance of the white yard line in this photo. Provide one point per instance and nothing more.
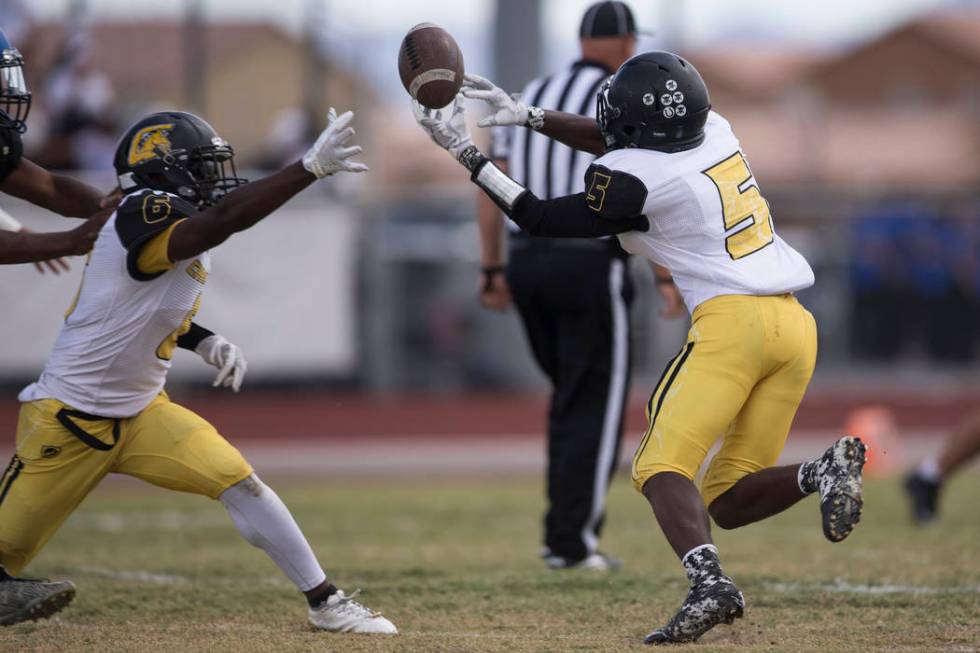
(840, 586)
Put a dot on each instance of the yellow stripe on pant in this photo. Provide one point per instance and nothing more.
(740, 376)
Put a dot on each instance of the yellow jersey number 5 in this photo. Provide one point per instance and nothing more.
(741, 206)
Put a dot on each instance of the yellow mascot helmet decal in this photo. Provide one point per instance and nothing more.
(146, 141)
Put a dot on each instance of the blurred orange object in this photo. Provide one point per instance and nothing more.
(877, 428)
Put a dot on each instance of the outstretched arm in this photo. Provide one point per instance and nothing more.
(575, 131)
(31, 247)
(583, 215)
(245, 206)
(64, 195)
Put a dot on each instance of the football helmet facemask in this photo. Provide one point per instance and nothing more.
(15, 99)
(178, 153)
(655, 101)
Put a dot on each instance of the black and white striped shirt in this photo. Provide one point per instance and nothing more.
(544, 166)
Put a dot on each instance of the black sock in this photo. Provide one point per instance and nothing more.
(318, 599)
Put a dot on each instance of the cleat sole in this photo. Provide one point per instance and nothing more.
(841, 511)
(42, 608)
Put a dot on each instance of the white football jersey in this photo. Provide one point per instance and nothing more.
(113, 353)
(709, 225)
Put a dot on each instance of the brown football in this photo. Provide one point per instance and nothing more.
(431, 65)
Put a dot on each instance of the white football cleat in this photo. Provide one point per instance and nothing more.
(342, 614)
(593, 562)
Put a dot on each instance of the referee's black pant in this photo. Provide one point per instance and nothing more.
(574, 297)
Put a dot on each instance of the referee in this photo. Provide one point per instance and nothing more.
(573, 297)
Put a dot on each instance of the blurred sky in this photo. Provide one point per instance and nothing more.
(366, 33)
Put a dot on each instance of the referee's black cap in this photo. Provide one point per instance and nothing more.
(608, 19)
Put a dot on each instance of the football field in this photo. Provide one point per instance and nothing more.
(453, 563)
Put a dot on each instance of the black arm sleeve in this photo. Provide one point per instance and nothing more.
(193, 337)
(568, 217)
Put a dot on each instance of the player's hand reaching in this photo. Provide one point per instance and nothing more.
(447, 127)
(228, 358)
(332, 152)
(507, 109)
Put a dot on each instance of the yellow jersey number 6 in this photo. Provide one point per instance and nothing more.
(740, 205)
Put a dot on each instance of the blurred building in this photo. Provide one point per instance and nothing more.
(249, 73)
(897, 112)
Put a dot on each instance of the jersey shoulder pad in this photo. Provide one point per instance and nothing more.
(11, 151)
(145, 213)
(614, 194)
(142, 215)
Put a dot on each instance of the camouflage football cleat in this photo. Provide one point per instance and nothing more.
(28, 599)
(838, 479)
(712, 599)
(708, 604)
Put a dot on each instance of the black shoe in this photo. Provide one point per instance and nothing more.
(712, 601)
(28, 599)
(924, 495)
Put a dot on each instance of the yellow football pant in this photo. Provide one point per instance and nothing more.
(61, 457)
(741, 376)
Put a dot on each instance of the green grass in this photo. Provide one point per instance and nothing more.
(453, 563)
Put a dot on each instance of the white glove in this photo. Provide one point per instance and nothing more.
(228, 358)
(448, 130)
(508, 109)
(330, 153)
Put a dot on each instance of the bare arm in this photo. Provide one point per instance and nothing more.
(31, 247)
(64, 195)
(239, 210)
(246, 205)
(575, 131)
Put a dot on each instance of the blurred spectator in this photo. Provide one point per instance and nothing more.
(876, 280)
(914, 278)
(80, 102)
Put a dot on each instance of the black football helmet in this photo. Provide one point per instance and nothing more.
(179, 153)
(15, 99)
(655, 101)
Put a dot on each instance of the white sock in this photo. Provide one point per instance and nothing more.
(709, 547)
(264, 521)
(929, 470)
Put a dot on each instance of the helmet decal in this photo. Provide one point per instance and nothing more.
(147, 141)
(656, 100)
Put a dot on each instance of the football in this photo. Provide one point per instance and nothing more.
(431, 65)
